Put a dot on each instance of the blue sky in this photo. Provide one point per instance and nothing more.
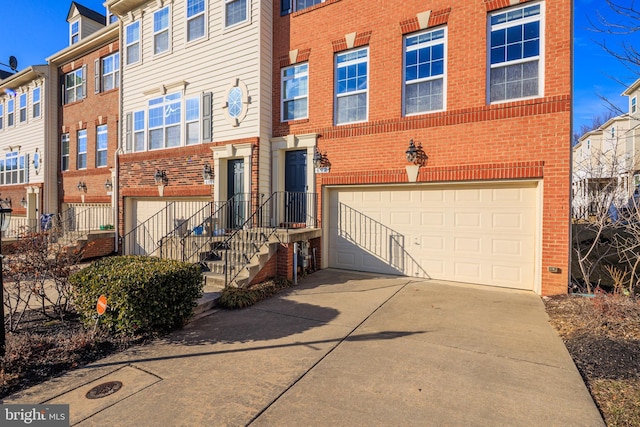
(32, 30)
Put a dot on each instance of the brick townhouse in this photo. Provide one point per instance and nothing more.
(439, 134)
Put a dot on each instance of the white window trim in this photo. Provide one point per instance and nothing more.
(540, 57)
(38, 103)
(78, 152)
(20, 159)
(71, 33)
(11, 113)
(356, 92)
(205, 14)
(198, 98)
(115, 72)
(164, 126)
(65, 138)
(74, 87)
(167, 29)
(102, 130)
(23, 108)
(235, 121)
(283, 99)
(1, 115)
(143, 130)
(634, 105)
(246, 20)
(445, 41)
(127, 46)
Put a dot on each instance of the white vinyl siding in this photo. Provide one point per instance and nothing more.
(424, 72)
(515, 53)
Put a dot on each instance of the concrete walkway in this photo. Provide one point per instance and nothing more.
(344, 349)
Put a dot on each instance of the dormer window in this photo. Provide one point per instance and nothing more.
(634, 106)
(75, 32)
(111, 18)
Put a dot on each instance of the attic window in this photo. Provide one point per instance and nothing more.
(634, 106)
(75, 32)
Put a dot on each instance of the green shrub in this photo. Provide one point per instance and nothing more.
(144, 294)
(235, 298)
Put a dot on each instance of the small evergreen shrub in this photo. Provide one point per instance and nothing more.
(236, 298)
(144, 294)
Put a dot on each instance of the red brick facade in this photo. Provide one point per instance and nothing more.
(93, 110)
(471, 140)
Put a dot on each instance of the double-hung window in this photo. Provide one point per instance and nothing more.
(235, 12)
(1, 115)
(515, 53)
(110, 73)
(10, 112)
(192, 114)
(352, 82)
(74, 32)
(23, 107)
(634, 105)
(424, 72)
(295, 92)
(164, 121)
(74, 85)
(15, 171)
(195, 19)
(138, 131)
(132, 42)
(290, 6)
(161, 30)
(101, 146)
(82, 149)
(36, 102)
(64, 152)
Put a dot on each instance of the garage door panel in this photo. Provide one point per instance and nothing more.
(480, 235)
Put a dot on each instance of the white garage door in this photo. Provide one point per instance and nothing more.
(474, 234)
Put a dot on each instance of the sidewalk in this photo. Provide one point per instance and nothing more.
(344, 348)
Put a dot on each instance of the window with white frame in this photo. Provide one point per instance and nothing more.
(111, 18)
(74, 32)
(22, 112)
(351, 86)
(82, 149)
(35, 95)
(138, 131)
(161, 30)
(1, 115)
(101, 146)
(64, 152)
(15, 168)
(290, 6)
(235, 12)
(192, 116)
(74, 85)
(195, 19)
(295, 92)
(10, 112)
(164, 121)
(110, 72)
(515, 53)
(132, 42)
(424, 72)
(634, 106)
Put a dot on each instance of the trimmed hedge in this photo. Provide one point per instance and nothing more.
(144, 294)
(236, 298)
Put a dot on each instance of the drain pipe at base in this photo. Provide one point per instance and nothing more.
(295, 263)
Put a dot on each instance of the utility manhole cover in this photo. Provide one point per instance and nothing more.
(104, 390)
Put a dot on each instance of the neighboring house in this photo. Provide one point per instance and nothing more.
(196, 107)
(603, 168)
(28, 145)
(89, 71)
(476, 86)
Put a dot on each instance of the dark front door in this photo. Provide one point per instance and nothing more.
(235, 193)
(295, 186)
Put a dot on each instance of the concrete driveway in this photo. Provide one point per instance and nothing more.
(347, 349)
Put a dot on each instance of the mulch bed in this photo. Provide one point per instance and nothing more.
(602, 334)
